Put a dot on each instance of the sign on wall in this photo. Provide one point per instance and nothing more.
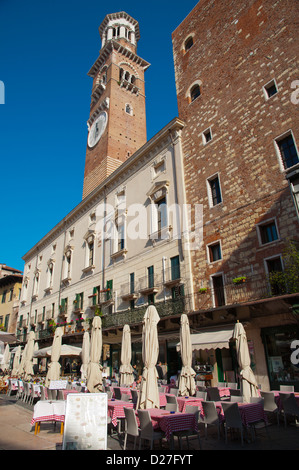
(85, 426)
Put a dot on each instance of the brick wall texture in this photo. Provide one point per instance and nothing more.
(238, 47)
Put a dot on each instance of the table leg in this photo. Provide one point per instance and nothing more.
(61, 427)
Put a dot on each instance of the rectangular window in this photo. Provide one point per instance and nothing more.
(132, 283)
(287, 151)
(150, 274)
(162, 213)
(270, 89)
(4, 297)
(175, 268)
(268, 232)
(206, 136)
(214, 191)
(214, 252)
(90, 253)
(120, 237)
(10, 295)
(218, 290)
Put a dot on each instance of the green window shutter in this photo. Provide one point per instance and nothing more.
(110, 287)
(95, 298)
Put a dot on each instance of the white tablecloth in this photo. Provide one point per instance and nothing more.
(47, 410)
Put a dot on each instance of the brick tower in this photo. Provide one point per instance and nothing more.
(117, 121)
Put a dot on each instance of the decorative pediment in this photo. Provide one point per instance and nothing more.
(158, 190)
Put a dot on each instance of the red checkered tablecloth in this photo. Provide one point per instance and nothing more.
(172, 422)
(278, 400)
(250, 412)
(116, 409)
(192, 401)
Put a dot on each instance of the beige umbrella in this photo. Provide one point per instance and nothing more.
(65, 350)
(16, 362)
(249, 387)
(6, 358)
(54, 366)
(94, 370)
(187, 382)
(149, 393)
(126, 370)
(22, 362)
(85, 355)
(28, 364)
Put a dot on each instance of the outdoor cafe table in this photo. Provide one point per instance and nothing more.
(172, 422)
(278, 400)
(192, 401)
(250, 412)
(116, 409)
(48, 410)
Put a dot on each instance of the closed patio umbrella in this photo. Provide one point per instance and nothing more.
(85, 355)
(126, 370)
(22, 362)
(6, 358)
(249, 387)
(16, 362)
(94, 370)
(54, 366)
(28, 364)
(187, 381)
(149, 393)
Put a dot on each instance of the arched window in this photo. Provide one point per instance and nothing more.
(188, 43)
(195, 92)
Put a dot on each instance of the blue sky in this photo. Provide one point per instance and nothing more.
(46, 50)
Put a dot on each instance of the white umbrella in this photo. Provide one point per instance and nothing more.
(54, 367)
(6, 358)
(16, 362)
(85, 355)
(149, 393)
(28, 364)
(65, 350)
(22, 362)
(94, 370)
(187, 382)
(249, 387)
(126, 370)
(8, 337)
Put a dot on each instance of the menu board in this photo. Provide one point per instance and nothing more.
(85, 426)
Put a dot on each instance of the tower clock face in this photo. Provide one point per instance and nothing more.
(97, 129)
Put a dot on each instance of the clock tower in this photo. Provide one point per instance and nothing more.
(117, 121)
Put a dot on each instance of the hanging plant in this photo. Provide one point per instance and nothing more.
(239, 280)
(202, 290)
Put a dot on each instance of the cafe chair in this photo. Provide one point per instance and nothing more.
(135, 395)
(34, 394)
(117, 393)
(232, 419)
(42, 393)
(270, 405)
(174, 391)
(289, 406)
(26, 394)
(235, 392)
(200, 383)
(200, 394)
(233, 385)
(213, 394)
(60, 395)
(147, 432)
(221, 384)
(211, 417)
(201, 388)
(287, 388)
(131, 426)
(171, 399)
(125, 397)
(257, 400)
(171, 407)
(236, 399)
(189, 432)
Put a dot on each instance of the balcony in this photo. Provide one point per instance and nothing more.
(129, 291)
(102, 298)
(150, 284)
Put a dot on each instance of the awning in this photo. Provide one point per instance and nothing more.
(211, 339)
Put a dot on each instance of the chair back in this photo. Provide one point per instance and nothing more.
(146, 427)
(171, 407)
(60, 395)
(134, 394)
(221, 384)
(257, 400)
(236, 399)
(289, 403)
(131, 422)
(200, 383)
(171, 399)
(210, 412)
(233, 385)
(174, 391)
(269, 401)
(117, 393)
(201, 388)
(235, 392)
(213, 394)
(191, 409)
(125, 397)
(287, 388)
(42, 393)
(200, 394)
(232, 415)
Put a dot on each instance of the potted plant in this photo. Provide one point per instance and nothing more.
(203, 290)
(239, 280)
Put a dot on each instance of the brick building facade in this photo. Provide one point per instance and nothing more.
(235, 68)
